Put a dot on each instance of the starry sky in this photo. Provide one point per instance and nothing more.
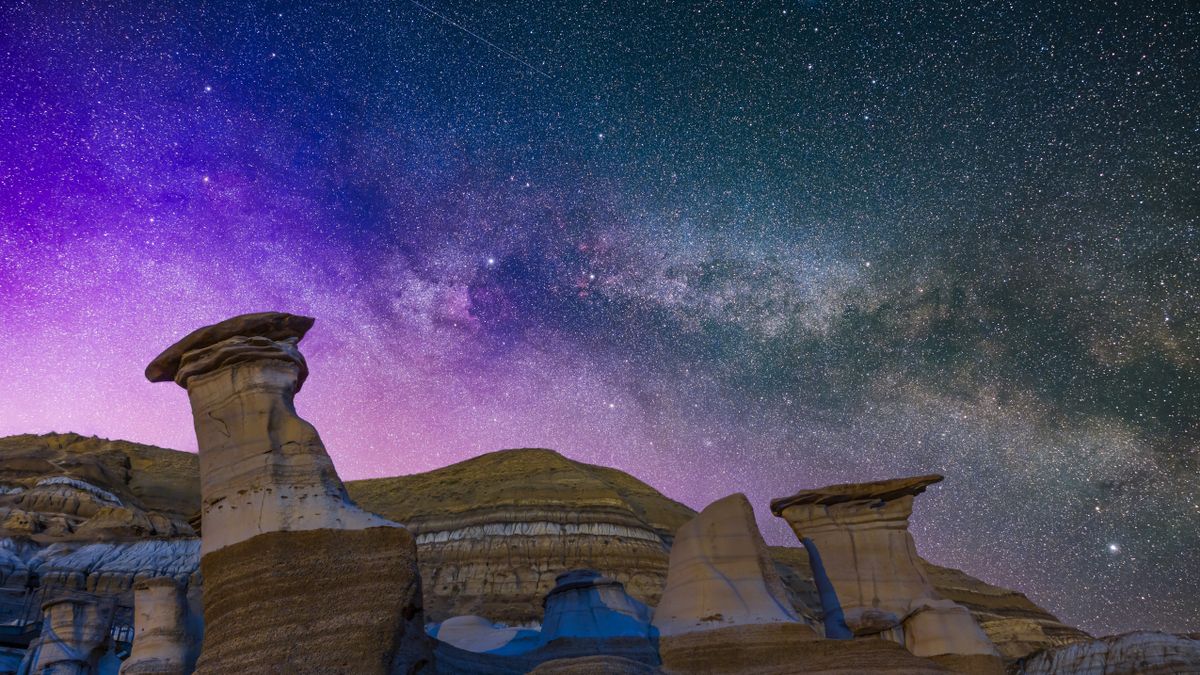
(724, 246)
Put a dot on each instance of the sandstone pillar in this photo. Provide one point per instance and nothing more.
(162, 643)
(861, 532)
(262, 467)
(74, 628)
(297, 578)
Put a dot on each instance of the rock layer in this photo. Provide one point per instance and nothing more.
(494, 531)
(861, 531)
(315, 601)
(66, 487)
(721, 574)
(1138, 653)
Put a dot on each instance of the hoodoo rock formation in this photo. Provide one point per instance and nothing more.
(276, 519)
(74, 630)
(262, 467)
(165, 640)
(492, 532)
(588, 614)
(861, 532)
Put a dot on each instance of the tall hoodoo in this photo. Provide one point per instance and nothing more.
(861, 532)
(262, 467)
(284, 552)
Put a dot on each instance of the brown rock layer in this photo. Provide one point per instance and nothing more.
(783, 649)
(67, 487)
(494, 531)
(315, 601)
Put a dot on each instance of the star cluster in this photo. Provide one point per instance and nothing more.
(724, 246)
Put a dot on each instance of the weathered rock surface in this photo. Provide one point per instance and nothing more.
(165, 641)
(66, 487)
(315, 601)
(1011, 621)
(861, 532)
(262, 467)
(1137, 653)
(494, 531)
(502, 578)
(283, 547)
(721, 574)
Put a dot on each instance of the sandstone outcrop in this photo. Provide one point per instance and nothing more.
(1137, 653)
(721, 574)
(283, 547)
(495, 531)
(861, 532)
(165, 640)
(66, 487)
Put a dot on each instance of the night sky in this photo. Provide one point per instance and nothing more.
(725, 247)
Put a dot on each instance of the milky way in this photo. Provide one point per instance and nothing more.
(722, 246)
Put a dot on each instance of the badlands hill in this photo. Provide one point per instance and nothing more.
(492, 532)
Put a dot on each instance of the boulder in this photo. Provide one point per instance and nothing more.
(861, 533)
(721, 574)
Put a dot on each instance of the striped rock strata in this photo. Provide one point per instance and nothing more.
(495, 531)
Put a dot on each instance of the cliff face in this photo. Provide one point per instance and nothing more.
(493, 532)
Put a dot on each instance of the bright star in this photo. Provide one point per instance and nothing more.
(1114, 548)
